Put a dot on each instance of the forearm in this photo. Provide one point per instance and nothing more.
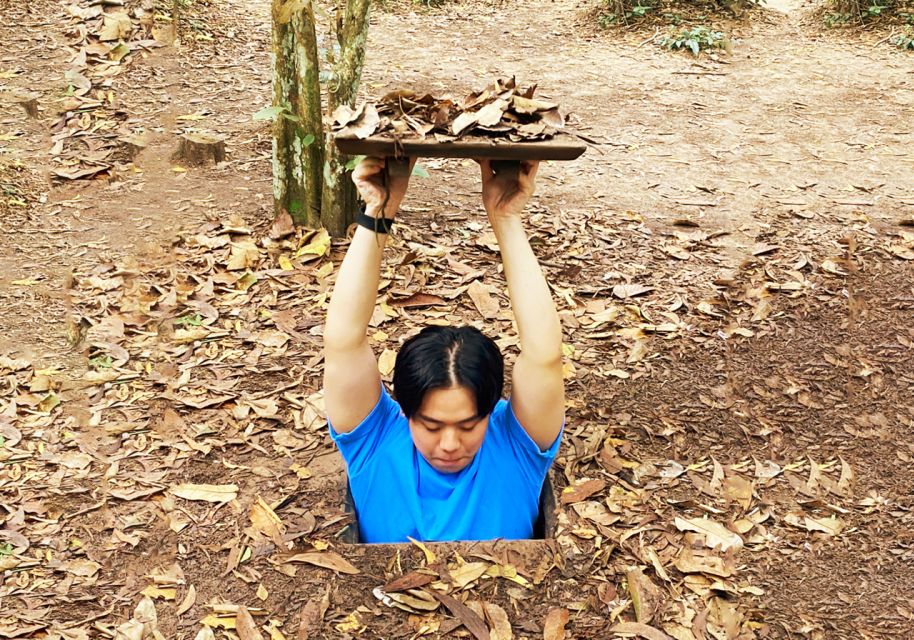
(355, 292)
(534, 310)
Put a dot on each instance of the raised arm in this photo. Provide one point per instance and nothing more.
(538, 391)
(352, 383)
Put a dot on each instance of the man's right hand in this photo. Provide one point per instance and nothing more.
(369, 178)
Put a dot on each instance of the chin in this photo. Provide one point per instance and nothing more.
(445, 466)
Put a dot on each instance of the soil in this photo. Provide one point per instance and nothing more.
(762, 196)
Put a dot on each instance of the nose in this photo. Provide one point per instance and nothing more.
(449, 442)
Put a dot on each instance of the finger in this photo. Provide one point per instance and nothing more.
(527, 176)
(368, 167)
(485, 167)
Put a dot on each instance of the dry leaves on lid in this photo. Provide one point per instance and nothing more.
(499, 625)
(325, 559)
(501, 110)
(412, 600)
(471, 620)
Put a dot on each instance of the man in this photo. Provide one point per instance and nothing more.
(445, 458)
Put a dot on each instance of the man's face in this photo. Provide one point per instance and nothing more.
(446, 430)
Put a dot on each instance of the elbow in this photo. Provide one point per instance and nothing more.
(341, 339)
(547, 359)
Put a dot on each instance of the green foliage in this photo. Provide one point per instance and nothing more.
(853, 11)
(194, 320)
(6, 549)
(101, 362)
(905, 40)
(271, 113)
(695, 39)
(624, 11)
(616, 12)
(353, 162)
(877, 7)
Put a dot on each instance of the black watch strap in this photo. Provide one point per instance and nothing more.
(378, 225)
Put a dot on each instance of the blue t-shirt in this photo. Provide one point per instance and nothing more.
(398, 494)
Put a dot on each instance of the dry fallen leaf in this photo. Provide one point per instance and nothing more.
(189, 600)
(312, 615)
(386, 361)
(206, 492)
(484, 301)
(554, 624)
(716, 535)
(832, 525)
(640, 630)
(645, 595)
(581, 490)
(245, 625)
(625, 291)
(265, 520)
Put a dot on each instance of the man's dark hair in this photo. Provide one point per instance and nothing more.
(440, 357)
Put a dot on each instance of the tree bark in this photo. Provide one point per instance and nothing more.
(298, 128)
(338, 198)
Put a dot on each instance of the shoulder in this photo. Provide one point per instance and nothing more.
(384, 414)
(505, 427)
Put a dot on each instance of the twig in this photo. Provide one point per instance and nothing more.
(107, 612)
(886, 39)
(699, 73)
(291, 385)
(651, 39)
(686, 203)
(97, 505)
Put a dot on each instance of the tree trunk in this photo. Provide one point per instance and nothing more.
(298, 128)
(338, 198)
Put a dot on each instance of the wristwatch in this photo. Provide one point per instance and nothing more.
(378, 225)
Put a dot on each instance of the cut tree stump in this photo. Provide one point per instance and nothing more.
(133, 144)
(28, 101)
(30, 104)
(201, 148)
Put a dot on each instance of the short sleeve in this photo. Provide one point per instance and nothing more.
(534, 462)
(358, 446)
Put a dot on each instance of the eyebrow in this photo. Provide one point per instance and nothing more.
(425, 418)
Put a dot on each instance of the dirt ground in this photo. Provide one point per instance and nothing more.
(733, 265)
